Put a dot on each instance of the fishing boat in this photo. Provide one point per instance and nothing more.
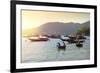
(74, 38)
(39, 38)
(61, 47)
(79, 44)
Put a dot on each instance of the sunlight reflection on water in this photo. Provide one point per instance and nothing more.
(47, 51)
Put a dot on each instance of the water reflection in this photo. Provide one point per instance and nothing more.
(50, 51)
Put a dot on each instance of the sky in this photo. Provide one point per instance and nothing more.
(33, 19)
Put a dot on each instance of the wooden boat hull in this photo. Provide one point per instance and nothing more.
(39, 39)
(72, 41)
(79, 45)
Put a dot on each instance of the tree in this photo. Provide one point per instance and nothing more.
(84, 30)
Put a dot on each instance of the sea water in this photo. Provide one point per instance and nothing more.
(44, 51)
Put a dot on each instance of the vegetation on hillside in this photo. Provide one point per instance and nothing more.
(84, 30)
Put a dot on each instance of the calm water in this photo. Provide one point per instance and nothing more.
(47, 51)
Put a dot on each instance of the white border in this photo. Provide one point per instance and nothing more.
(51, 64)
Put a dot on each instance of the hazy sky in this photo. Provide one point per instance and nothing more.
(32, 19)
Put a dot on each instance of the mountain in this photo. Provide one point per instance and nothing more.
(86, 24)
(60, 28)
(85, 28)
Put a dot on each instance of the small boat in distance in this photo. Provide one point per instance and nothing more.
(61, 47)
(74, 38)
(79, 45)
(38, 38)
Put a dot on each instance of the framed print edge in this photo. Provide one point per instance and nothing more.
(13, 36)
